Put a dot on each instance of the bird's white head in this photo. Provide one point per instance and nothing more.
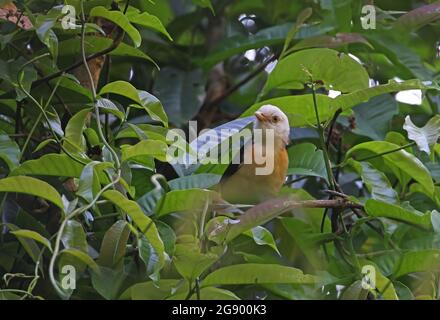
(271, 117)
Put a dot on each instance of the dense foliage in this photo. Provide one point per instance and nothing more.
(89, 94)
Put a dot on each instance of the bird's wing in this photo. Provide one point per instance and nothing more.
(233, 166)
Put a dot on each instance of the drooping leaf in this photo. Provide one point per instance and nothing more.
(83, 257)
(74, 236)
(402, 163)
(51, 164)
(252, 273)
(33, 235)
(418, 17)
(147, 20)
(326, 41)
(306, 160)
(273, 35)
(94, 44)
(113, 246)
(190, 262)
(184, 200)
(373, 118)
(119, 19)
(182, 93)
(144, 99)
(325, 65)
(74, 132)
(425, 137)
(159, 290)
(417, 261)
(377, 208)
(144, 224)
(262, 236)
(154, 148)
(376, 182)
(32, 186)
(9, 151)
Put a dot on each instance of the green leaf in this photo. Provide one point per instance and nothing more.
(355, 292)
(307, 240)
(300, 109)
(253, 273)
(74, 236)
(151, 131)
(403, 164)
(108, 106)
(159, 290)
(373, 118)
(377, 208)
(74, 132)
(113, 246)
(196, 181)
(89, 181)
(154, 148)
(425, 137)
(305, 159)
(417, 261)
(147, 20)
(51, 164)
(43, 26)
(93, 44)
(144, 99)
(32, 186)
(209, 293)
(257, 215)
(205, 4)
(184, 200)
(181, 92)
(9, 151)
(190, 263)
(83, 257)
(33, 235)
(29, 244)
(262, 237)
(145, 224)
(274, 35)
(418, 17)
(337, 71)
(377, 183)
(347, 101)
(119, 19)
(334, 42)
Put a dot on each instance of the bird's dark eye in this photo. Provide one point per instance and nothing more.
(275, 119)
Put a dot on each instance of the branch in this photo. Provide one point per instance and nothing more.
(336, 203)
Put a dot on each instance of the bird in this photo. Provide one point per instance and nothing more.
(240, 183)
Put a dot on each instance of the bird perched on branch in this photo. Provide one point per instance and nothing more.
(263, 174)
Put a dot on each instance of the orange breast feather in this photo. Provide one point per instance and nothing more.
(245, 186)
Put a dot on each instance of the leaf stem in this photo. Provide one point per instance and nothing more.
(328, 167)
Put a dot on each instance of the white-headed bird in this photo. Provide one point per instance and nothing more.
(243, 183)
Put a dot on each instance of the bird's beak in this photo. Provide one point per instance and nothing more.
(260, 116)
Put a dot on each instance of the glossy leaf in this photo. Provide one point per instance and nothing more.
(144, 99)
(325, 65)
(252, 273)
(306, 160)
(33, 235)
(402, 163)
(119, 19)
(376, 182)
(377, 208)
(32, 186)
